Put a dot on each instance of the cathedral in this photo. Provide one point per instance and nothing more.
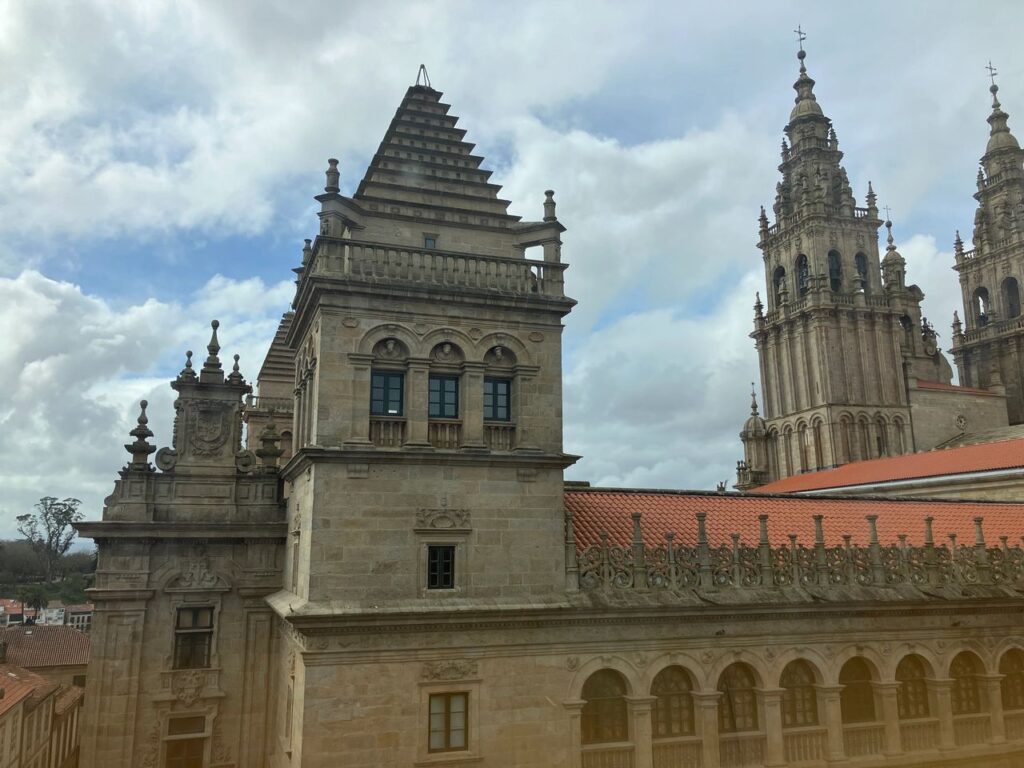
(372, 558)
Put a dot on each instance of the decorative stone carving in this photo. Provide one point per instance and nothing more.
(209, 426)
(350, 322)
(449, 670)
(390, 349)
(245, 461)
(443, 519)
(536, 336)
(572, 663)
(447, 353)
(166, 459)
(197, 575)
(187, 685)
(500, 357)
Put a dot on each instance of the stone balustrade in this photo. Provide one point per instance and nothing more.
(387, 431)
(677, 566)
(500, 436)
(608, 756)
(863, 739)
(678, 753)
(805, 745)
(446, 435)
(972, 729)
(281, 404)
(372, 262)
(741, 750)
(919, 735)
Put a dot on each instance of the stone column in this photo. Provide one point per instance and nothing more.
(990, 684)
(472, 407)
(891, 715)
(706, 703)
(359, 419)
(643, 736)
(416, 393)
(828, 695)
(940, 692)
(574, 708)
(771, 705)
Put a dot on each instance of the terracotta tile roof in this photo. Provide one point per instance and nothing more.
(19, 684)
(15, 607)
(46, 646)
(68, 697)
(981, 457)
(938, 385)
(609, 509)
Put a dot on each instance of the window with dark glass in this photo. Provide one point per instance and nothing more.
(604, 717)
(443, 397)
(386, 393)
(672, 713)
(737, 708)
(857, 699)
(803, 275)
(1011, 667)
(497, 394)
(193, 637)
(835, 271)
(185, 749)
(912, 695)
(449, 716)
(441, 566)
(799, 697)
(429, 242)
(861, 262)
(964, 694)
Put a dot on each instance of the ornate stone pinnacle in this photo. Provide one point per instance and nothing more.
(187, 373)
(235, 377)
(549, 205)
(140, 449)
(212, 361)
(333, 176)
(269, 449)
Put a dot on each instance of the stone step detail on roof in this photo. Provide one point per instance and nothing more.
(843, 569)
(424, 159)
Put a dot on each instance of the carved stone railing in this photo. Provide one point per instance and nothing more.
(281, 404)
(804, 745)
(994, 329)
(972, 729)
(608, 756)
(863, 739)
(919, 735)
(741, 750)
(373, 262)
(1013, 722)
(680, 566)
(387, 431)
(679, 753)
(445, 434)
(500, 437)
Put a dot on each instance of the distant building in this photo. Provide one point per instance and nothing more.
(58, 653)
(79, 616)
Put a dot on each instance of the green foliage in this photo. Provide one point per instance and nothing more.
(49, 531)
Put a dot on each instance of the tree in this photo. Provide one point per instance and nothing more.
(34, 596)
(49, 530)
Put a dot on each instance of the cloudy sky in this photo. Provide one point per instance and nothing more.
(158, 162)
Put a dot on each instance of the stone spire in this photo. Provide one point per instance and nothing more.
(139, 448)
(894, 266)
(806, 102)
(1000, 137)
(212, 373)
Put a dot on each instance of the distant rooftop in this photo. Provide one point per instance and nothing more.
(46, 646)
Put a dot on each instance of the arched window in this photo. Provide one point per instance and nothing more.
(861, 262)
(799, 697)
(803, 275)
(897, 431)
(1011, 667)
(864, 438)
(857, 699)
(835, 271)
(779, 279)
(672, 714)
(882, 436)
(737, 708)
(912, 695)
(802, 444)
(964, 694)
(819, 453)
(1011, 297)
(845, 429)
(979, 305)
(787, 449)
(604, 716)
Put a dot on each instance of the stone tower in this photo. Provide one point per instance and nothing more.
(427, 467)
(841, 332)
(988, 346)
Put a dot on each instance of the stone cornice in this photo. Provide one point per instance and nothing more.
(176, 531)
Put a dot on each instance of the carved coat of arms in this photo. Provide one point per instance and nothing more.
(209, 424)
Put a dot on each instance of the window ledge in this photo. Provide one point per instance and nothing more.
(447, 758)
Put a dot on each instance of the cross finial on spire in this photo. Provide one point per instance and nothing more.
(801, 36)
(992, 72)
(886, 209)
(753, 400)
(422, 73)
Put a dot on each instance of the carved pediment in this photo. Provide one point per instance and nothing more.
(443, 519)
(196, 575)
(458, 669)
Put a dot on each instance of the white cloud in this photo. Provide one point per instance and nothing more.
(75, 368)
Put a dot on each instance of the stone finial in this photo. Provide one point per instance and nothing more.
(833, 139)
(212, 372)
(753, 400)
(235, 377)
(549, 205)
(188, 372)
(958, 246)
(872, 199)
(307, 252)
(140, 449)
(762, 221)
(270, 449)
(891, 245)
(980, 179)
(758, 306)
(333, 176)
(762, 527)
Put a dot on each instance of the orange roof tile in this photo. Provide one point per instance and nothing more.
(980, 457)
(18, 684)
(46, 646)
(608, 509)
(67, 697)
(942, 386)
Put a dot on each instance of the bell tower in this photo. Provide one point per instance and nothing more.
(836, 335)
(988, 346)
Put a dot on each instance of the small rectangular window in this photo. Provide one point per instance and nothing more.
(193, 638)
(441, 566)
(178, 726)
(186, 753)
(443, 397)
(386, 393)
(449, 713)
(497, 394)
(430, 242)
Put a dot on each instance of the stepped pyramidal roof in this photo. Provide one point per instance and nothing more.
(424, 160)
(279, 362)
